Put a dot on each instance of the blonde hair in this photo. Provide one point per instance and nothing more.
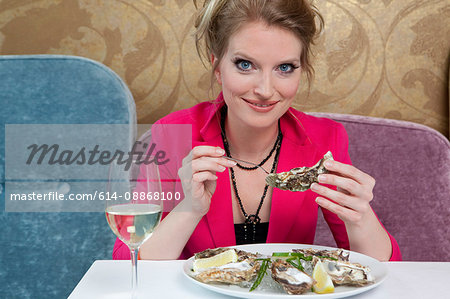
(217, 20)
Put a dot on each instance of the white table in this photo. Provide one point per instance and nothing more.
(165, 279)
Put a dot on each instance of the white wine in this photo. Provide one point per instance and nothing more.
(133, 223)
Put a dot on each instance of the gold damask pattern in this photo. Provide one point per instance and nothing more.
(387, 58)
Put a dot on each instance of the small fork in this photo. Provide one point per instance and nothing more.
(242, 161)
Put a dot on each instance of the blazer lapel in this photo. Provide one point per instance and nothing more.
(296, 150)
(287, 204)
(220, 214)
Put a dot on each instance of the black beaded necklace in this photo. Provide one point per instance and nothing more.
(252, 219)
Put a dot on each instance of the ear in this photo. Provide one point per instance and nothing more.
(217, 70)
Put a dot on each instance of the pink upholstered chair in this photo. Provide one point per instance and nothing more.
(411, 164)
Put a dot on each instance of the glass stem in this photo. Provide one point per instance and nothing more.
(134, 276)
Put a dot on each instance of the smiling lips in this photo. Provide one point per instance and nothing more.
(260, 107)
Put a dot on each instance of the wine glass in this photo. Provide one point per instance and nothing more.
(134, 209)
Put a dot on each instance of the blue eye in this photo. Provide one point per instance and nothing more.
(243, 65)
(286, 68)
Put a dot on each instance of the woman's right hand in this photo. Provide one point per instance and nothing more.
(198, 175)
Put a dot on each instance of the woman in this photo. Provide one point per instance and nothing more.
(259, 50)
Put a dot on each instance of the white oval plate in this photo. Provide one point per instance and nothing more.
(378, 270)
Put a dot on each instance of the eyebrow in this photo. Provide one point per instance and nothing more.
(243, 55)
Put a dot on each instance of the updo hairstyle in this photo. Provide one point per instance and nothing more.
(218, 20)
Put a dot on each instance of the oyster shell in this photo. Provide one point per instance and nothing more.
(338, 254)
(244, 270)
(290, 278)
(300, 178)
(346, 273)
(242, 255)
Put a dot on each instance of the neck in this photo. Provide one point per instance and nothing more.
(251, 144)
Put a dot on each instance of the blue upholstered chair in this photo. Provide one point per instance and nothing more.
(44, 255)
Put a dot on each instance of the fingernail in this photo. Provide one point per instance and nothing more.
(221, 168)
(231, 163)
(220, 151)
(314, 186)
(328, 163)
(318, 200)
(322, 178)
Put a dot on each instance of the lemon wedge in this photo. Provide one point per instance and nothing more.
(229, 256)
(324, 284)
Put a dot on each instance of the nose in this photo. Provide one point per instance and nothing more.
(264, 87)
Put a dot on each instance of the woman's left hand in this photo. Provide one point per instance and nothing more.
(351, 203)
(351, 200)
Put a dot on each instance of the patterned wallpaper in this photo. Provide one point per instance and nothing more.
(384, 58)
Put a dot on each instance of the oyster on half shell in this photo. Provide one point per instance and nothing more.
(244, 270)
(300, 178)
(338, 254)
(346, 273)
(292, 280)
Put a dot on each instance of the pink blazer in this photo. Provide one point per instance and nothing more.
(293, 215)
